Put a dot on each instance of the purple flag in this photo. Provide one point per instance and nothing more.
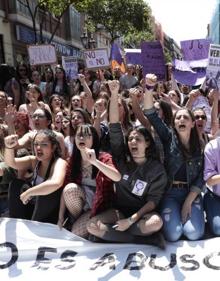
(116, 54)
(194, 78)
(195, 49)
(153, 59)
(182, 65)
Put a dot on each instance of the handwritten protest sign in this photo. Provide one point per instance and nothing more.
(153, 59)
(196, 49)
(42, 54)
(70, 65)
(96, 58)
(213, 68)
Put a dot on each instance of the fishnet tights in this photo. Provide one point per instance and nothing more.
(74, 198)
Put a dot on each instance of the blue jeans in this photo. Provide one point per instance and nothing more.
(212, 208)
(171, 207)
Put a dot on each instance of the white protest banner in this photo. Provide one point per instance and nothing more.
(213, 68)
(96, 58)
(70, 65)
(42, 54)
(38, 251)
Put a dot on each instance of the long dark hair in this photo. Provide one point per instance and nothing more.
(85, 129)
(194, 141)
(53, 140)
(65, 89)
(36, 88)
(151, 151)
(167, 112)
(85, 115)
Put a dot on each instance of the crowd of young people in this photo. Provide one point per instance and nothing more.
(110, 156)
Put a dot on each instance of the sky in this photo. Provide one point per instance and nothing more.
(183, 19)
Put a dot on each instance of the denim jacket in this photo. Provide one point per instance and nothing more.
(173, 155)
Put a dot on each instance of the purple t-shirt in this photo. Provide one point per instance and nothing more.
(212, 163)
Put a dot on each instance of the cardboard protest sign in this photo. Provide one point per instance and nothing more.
(213, 68)
(185, 74)
(42, 54)
(152, 58)
(40, 251)
(96, 58)
(133, 56)
(196, 49)
(70, 65)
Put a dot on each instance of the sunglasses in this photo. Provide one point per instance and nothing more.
(197, 117)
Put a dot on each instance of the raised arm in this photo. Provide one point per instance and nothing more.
(193, 95)
(161, 128)
(10, 116)
(90, 101)
(11, 142)
(108, 170)
(137, 110)
(113, 108)
(214, 112)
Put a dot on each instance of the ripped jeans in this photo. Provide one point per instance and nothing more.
(212, 208)
(170, 211)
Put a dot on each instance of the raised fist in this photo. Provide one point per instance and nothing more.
(11, 141)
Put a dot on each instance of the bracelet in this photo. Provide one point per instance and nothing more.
(130, 220)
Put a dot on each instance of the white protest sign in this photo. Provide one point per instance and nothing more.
(40, 251)
(70, 65)
(213, 68)
(96, 58)
(42, 54)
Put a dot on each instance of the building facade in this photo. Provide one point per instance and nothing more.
(214, 26)
(16, 32)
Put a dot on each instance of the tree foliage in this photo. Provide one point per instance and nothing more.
(118, 17)
(57, 7)
(42, 8)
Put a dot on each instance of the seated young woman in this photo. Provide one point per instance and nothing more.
(133, 217)
(48, 177)
(88, 186)
(182, 205)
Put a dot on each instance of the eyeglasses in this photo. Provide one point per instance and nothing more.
(197, 117)
(22, 70)
(42, 144)
(40, 116)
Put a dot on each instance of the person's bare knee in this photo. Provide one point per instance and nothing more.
(151, 224)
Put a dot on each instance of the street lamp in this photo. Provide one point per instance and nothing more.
(88, 40)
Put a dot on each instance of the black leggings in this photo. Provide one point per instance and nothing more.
(44, 209)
